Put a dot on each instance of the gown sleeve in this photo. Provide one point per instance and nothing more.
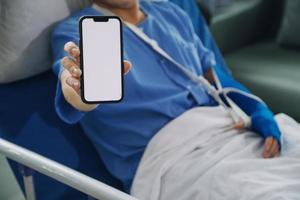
(63, 33)
(262, 118)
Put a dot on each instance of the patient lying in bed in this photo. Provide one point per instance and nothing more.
(156, 93)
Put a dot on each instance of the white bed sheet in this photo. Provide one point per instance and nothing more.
(199, 156)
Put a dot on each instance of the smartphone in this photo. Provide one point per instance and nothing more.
(101, 47)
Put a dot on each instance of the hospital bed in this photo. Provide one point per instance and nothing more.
(28, 119)
(27, 90)
(27, 115)
(59, 172)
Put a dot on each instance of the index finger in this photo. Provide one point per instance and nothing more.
(268, 144)
(239, 125)
(275, 148)
(69, 46)
(267, 147)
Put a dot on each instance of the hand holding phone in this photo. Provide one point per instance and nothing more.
(72, 75)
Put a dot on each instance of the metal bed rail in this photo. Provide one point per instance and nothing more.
(92, 187)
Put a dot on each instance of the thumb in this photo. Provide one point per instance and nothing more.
(127, 66)
(239, 125)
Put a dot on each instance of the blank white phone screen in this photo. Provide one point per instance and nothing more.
(102, 64)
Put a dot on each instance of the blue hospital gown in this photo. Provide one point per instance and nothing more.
(155, 90)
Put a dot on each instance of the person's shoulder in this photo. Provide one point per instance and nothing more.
(165, 6)
(71, 22)
(171, 14)
(167, 11)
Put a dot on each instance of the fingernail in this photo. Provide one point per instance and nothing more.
(74, 70)
(74, 51)
(75, 83)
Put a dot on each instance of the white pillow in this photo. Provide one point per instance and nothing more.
(25, 29)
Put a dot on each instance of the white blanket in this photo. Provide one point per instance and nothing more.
(199, 156)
